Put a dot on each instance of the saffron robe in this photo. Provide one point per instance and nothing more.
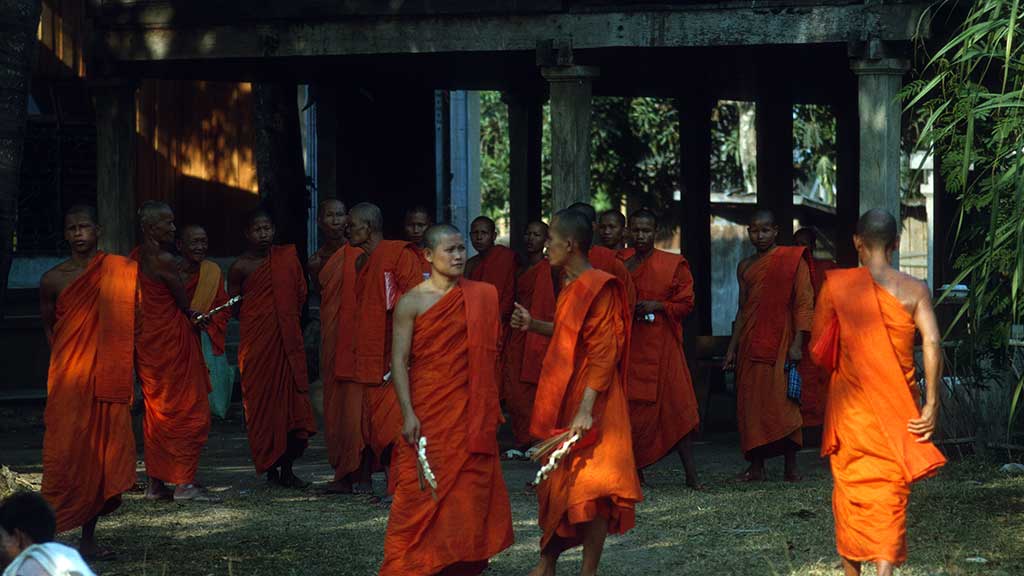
(873, 394)
(498, 267)
(814, 392)
(454, 393)
(362, 362)
(607, 260)
(525, 351)
(780, 301)
(88, 446)
(588, 349)
(662, 403)
(175, 385)
(343, 402)
(272, 359)
(205, 291)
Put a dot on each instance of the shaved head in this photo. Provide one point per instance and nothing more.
(324, 204)
(438, 232)
(645, 213)
(485, 220)
(614, 214)
(878, 229)
(418, 209)
(369, 214)
(763, 215)
(85, 210)
(256, 214)
(190, 229)
(151, 211)
(573, 224)
(585, 209)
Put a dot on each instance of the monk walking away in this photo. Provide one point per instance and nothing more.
(414, 226)
(169, 362)
(878, 438)
(271, 357)
(204, 286)
(442, 358)
(611, 226)
(662, 405)
(594, 490)
(87, 304)
(814, 394)
(606, 259)
(776, 306)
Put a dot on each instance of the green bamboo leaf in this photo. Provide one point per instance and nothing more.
(1014, 406)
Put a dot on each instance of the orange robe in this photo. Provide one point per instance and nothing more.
(498, 267)
(814, 394)
(454, 393)
(175, 385)
(873, 395)
(524, 351)
(363, 351)
(89, 447)
(607, 260)
(424, 265)
(662, 404)
(588, 350)
(780, 301)
(209, 283)
(272, 360)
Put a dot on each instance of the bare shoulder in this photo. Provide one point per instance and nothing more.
(744, 264)
(411, 303)
(915, 287)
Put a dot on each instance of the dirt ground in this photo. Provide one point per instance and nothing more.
(967, 521)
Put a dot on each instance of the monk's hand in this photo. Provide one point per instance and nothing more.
(520, 318)
(199, 320)
(581, 422)
(730, 360)
(411, 429)
(925, 425)
(647, 307)
(796, 352)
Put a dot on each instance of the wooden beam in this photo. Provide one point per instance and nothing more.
(115, 165)
(163, 38)
(525, 119)
(570, 133)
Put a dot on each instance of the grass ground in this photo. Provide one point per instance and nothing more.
(970, 512)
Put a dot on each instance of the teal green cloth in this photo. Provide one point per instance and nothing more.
(222, 378)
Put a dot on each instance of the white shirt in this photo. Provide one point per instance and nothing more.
(50, 559)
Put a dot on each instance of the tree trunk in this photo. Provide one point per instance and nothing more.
(18, 22)
(279, 168)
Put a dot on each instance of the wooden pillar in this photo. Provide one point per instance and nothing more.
(878, 84)
(115, 165)
(775, 160)
(570, 133)
(847, 177)
(327, 141)
(695, 182)
(525, 123)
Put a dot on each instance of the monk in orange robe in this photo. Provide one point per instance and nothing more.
(776, 306)
(87, 304)
(611, 227)
(443, 359)
(594, 489)
(814, 394)
(877, 437)
(525, 350)
(417, 220)
(271, 357)
(606, 259)
(662, 405)
(169, 362)
(494, 264)
(327, 270)
(382, 271)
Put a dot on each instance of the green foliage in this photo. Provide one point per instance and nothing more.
(969, 110)
(494, 158)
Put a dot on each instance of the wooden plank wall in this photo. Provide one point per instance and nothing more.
(195, 152)
(61, 36)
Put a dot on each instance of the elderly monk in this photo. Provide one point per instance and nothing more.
(878, 439)
(169, 363)
(494, 264)
(275, 386)
(582, 385)
(87, 304)
(606, 259)
(662, 404)
(814, 394)
(414, 226)
(525, 350)
(776, 304)
(443, 358)
(327, 271)
(382, 271)
(611, 226)
(204, 286)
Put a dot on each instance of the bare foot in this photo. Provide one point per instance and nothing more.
(793, 477)
(92, 551)
(543, 568)
(694, 484)
(336, 487)
(751, 475)
(365, 487)
(157, 490)
(290, 480)
(193, 493)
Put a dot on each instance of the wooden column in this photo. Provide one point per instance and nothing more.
(775, 160)
(847, 177)
(115, 165)
(326, 141)
(525, 119)
(570, 133)
(695, 182)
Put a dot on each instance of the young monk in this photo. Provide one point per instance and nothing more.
(445, 345)
(169, 362)
(776, 305)
(606, 259)
(612, 229)
(594, 490)
(662, 405)
(327, 270)
(87, 304)
(494, 264)
(878, 439)
(417, 220)
(382, 271)
(814, 395)
(271, 357)
(525, 351)
(204, 286)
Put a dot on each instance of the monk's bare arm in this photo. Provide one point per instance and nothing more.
(522, 320)
(737, 326)
(236, 277)
(48, 303)
(931, 349)
(313, 267)
(803, 311)
(166, 270)
(401, 342)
